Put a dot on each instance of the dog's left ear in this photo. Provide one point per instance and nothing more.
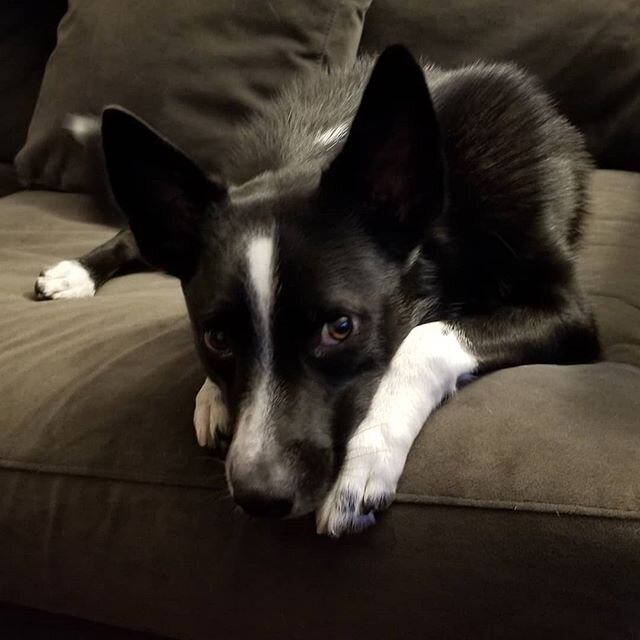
(164, 195)
(392, 163)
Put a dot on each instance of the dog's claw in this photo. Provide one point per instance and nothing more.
(377, 503)
(343, 514)
(211, 419)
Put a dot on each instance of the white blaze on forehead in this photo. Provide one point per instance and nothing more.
(261, 281)
(254, 438)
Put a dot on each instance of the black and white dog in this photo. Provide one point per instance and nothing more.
(383, 238)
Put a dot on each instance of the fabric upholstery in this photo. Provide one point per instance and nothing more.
(110, 511)
(35, 624)
(104, 387)
(587, 54)
(181, 563)
(192, 72)
(27, 37)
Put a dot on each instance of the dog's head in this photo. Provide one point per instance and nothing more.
(301, 283)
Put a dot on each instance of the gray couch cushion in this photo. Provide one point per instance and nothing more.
(104, 387)
(181, 563)
(27, 37)
(192, 72)
(109, 509)
(587, 53)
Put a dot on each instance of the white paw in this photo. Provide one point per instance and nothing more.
(67, 279)
(211, 418)
(366, 484)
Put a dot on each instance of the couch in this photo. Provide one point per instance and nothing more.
(518, 514)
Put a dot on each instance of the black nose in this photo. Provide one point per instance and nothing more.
(263, 505)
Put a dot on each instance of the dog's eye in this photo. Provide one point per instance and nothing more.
(218, 343)
(337, 330)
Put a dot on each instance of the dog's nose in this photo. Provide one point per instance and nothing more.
(262, 504)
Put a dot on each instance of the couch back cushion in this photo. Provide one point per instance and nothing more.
(587, 54)
(27, 37)
(192, 73)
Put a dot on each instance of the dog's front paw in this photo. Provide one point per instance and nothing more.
(366, 484)
(67, 279)
(211, 418)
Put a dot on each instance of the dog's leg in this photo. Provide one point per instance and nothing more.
(423, 372)
(80, 278)
(211, 418)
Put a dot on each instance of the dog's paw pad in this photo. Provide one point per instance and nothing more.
(211, 419)
(65, 280)
(365, 485)
(350, 508)
(342, 513)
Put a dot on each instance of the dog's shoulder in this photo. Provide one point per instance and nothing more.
(502, 127)
(514, 160)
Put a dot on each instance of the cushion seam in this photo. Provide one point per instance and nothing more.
(401, 498)
(560, 508)
(78, 472)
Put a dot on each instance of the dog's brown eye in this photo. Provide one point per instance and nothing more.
(218, 343)
(337, 330)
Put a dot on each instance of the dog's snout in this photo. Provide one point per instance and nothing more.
(264, 505)
(260, 486)
(277, 478)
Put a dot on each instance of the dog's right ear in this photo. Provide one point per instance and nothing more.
(392, 164)
(161, 191)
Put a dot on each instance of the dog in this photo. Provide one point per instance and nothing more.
(390, 231)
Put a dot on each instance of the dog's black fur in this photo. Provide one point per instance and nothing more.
(461, 201)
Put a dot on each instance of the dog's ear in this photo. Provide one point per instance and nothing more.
(392, 162)
(163, 194)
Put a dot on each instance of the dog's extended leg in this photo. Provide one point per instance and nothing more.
(81, 277)
(422, 373)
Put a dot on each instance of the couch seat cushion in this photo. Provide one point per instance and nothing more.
(104, 387)
(110, 511)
